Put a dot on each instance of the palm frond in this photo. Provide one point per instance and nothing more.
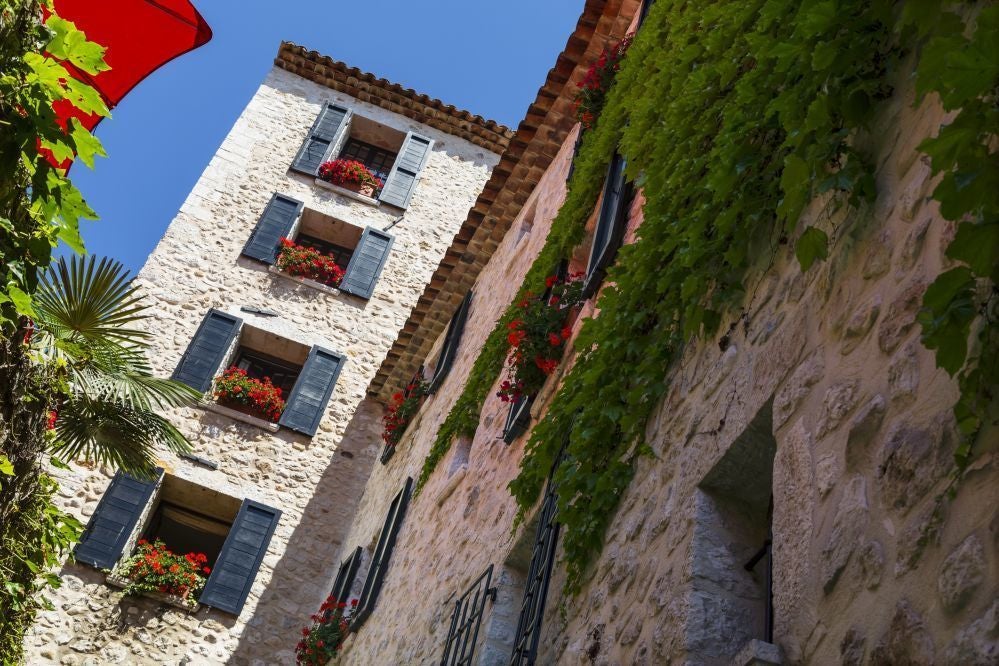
(90, 300)
(114, 434)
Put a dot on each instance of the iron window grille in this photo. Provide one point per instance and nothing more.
(465, 620)
(378, 160)
(532, 608)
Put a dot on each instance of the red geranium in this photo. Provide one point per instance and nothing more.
(308, 262)
(260, 395)
(597, 81)
(322, 639)
(155, 568)
(401, 410)
(537, 337)
(348, 172)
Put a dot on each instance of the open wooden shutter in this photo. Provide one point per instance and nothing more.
(313, 388)
(451, 341)
(611, 225)
(243, 550)
(325, 134)
(275, 223)
(346, 575)
(383, 551)
(517, 419)
(401, 180)
(114, 519)
(366, 263)
(207, 349)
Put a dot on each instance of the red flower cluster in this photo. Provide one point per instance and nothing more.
(53, 416)
(260, 395)
(321, 640)
(538, 335)
(308, 262)
(597, 81)
(348, 172)
(401, 411)
(155, 568)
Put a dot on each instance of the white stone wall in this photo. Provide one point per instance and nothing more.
(869, 568)
(315, 481)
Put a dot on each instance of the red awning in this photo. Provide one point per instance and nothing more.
(139, 35)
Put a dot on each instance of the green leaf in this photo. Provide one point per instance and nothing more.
(813, 244)
(976, 245)
(6, 466)
(69, 43)
(58, 463)
(21, 300)
(87, 145)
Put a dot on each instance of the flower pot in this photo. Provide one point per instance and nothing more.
(364, 189)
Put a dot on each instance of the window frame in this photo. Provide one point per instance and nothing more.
(466, 620)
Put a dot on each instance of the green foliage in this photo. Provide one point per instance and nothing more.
(40, 542)
(961, 306)
(733, 117)
(39, 206)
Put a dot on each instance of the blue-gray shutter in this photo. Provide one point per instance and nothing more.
(207, 349)
(401, 180)
(610, 227)
(345, 576)
(366, 263)
(517, 419)
(114, 519)
(324, 133)
(274, 224)
(238, 562)
(313, 388)
(451, 341)
(382, 554)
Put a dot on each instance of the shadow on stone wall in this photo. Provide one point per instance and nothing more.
(304, 575)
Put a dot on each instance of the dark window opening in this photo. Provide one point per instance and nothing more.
(377, 159)
(186, 531)
(341, 255)
(259, 365)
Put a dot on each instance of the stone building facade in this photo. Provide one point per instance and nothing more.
(807, 458)
(270, 503)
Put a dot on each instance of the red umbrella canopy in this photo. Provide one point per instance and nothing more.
(139, 35)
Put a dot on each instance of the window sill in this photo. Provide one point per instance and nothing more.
(453, 482)
(350, 194)
(185, 605)
(312, 284)
(263, 424)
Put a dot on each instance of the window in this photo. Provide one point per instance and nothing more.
(360, 253)
(732, 564)
(234, 534)
(611, 224)
(532, 606)
(452, 340)
(346, 577)
(396, 157)
(309, 374)
(459, 647)
(382, 554)
(518, 418)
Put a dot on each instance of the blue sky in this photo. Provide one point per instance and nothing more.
(488, 58)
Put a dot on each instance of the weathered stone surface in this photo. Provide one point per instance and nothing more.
(851, 648)
(863, 427)
(847, 532)
(978, 643)
(903, 375)
(793, 392)
(906, 641)
(909, 464)
(758, 653)
(900, 316)
(839, 400)
(871, 559)
(961, 574)
(859, 324)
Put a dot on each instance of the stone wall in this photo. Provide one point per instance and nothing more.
(826, 374)
(315, 481)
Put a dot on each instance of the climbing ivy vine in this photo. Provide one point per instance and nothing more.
(733, 117)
